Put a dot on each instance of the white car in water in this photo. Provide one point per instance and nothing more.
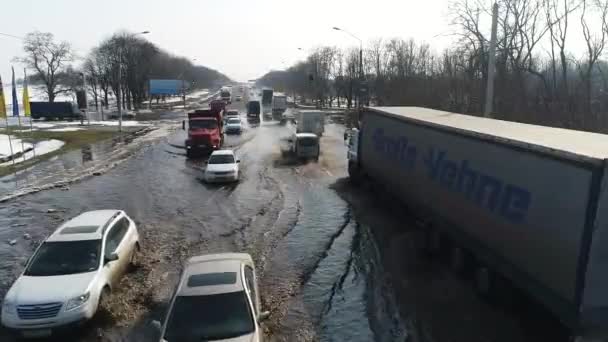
(222, 166)
(71, 274)
(217, 299)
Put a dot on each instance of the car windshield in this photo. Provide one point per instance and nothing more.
(221, 159)
(65, 257)
(234, 121)
(209, 124)
(225, 94)
(212, 317)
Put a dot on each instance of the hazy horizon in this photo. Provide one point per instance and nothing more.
(242, 39)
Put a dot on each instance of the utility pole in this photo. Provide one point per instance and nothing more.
(119, 91)
(491, 65)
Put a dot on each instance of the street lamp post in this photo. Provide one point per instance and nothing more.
(360, 58)
(119, 91)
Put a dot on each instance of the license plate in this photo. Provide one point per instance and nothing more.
(36, 333)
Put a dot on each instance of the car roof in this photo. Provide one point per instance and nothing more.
(213, 265)
(223, 152)
(89, 225)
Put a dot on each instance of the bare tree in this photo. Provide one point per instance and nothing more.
(557, 13)
(48, 59)
(595, 44)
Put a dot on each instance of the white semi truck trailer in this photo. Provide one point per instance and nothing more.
(526, 203)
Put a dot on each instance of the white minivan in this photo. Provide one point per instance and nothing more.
(302, 146)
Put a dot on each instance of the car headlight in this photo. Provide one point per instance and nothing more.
(8, 307)
(77, 301)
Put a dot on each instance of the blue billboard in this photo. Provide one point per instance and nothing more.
(167, 87)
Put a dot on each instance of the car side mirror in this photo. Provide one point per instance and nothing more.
(264, 315)
(238, 160)
(111, 257)
(184, 125)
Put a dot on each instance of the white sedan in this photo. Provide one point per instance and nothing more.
(217, 299)
(222, 166)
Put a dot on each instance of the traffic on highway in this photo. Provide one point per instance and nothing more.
(250, 171)
(317, 256)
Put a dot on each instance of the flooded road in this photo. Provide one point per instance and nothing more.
(335, 263)
(311, 254)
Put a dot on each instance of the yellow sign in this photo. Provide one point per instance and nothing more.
(2, 102)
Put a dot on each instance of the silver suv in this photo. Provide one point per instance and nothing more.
(72, 273)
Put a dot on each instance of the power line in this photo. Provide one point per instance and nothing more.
(10, 35)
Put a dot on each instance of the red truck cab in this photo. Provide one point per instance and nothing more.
(205, 131)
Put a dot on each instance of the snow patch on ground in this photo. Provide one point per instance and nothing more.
(17, 144)
(40, 148)
(64, 129)
(42, 125)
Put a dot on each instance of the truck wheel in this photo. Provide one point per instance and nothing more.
(188, 153)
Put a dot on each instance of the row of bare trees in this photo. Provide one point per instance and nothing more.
(542, 75)
(124, 62)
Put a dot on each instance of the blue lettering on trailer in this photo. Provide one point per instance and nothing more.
(509, 201)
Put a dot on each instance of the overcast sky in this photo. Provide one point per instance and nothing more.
(241, 38)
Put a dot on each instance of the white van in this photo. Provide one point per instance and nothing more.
(304, 146)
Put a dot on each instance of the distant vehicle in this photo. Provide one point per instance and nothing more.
(71, 274)
(302, 146)
(55, 110)
(233, 125)
(238, 98)
(216, 299)
(310, 121)
(267, 96)
(205, 131)
(253, 110)
(218, 105)
(279, 106)
(225, 95)
(230, 114)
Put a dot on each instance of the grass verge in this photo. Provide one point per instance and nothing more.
(73, 140)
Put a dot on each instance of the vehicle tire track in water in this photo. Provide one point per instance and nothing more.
(327, 247)
(339, 284)
(296, 255)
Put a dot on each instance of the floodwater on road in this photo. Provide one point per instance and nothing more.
(334, 262)
(314, 262)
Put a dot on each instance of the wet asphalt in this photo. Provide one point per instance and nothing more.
(335, 262)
